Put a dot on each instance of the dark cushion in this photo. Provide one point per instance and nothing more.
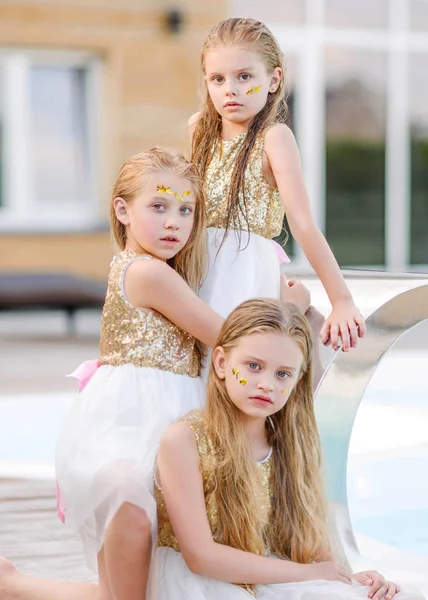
(19, 290)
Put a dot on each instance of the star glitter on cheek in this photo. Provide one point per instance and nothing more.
(254, 90)
(285, 390)
(241, 380)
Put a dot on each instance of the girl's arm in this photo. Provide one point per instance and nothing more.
(154, 284)
(284, 160)
(181, 481)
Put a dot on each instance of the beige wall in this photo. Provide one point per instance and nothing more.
(88, 254)
(149, 89)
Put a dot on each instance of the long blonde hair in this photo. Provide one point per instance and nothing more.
(297, 527)
(191, 261)
(253, 34)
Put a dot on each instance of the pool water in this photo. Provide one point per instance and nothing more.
(387, 493)
(388, 500)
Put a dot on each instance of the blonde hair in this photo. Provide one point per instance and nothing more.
(191, 261)
(297, 527)
(239, 32)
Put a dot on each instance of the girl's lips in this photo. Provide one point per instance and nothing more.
(261, 400)
(170, 242)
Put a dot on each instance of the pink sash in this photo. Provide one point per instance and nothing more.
(281, 254)
(83, 374)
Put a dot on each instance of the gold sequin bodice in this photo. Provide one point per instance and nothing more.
(166, 535)
(143, 338)
(264, 208)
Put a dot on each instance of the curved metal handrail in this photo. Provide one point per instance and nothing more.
(341, 391)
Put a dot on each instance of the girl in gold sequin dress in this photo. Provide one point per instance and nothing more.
(241, 506)
(252, 172)
(146, 377)
(148, 368)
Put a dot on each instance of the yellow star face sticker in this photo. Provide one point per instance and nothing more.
(181, 198)
(254, 90)
(163, 190)
(241, 380)
(167, 190)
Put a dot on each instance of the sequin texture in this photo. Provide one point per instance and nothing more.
(143, 338)
(264, 207)
(166, 535)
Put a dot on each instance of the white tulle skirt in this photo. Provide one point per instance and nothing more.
(239, 270)
(107, 446)
(174, 581)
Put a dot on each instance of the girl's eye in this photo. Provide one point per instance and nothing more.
(158, 206)
(254, 366)
(283, 374)
(244, 77)
(186, 210)
(218, 79)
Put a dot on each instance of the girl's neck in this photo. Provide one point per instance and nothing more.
(231, 130)
(255, 430)
(132, 246)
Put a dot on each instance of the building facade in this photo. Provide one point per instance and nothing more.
(86, 83)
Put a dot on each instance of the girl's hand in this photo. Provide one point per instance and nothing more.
(329, 570)
(296, 293)
(378, 586)
(345, 322)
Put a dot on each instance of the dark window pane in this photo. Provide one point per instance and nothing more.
(361, 14)
(418, 103)
(355, 155)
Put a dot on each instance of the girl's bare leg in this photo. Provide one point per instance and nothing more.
(103, 588)
(16, 586)
(127, 549)
(123, 566)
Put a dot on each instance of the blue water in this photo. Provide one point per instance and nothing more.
(405, 529)
(388, 497)
(29, 426)
(388, 500)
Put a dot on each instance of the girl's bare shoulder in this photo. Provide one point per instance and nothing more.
(148, 271)
(177, 440)
(148, 280)
(192, 122)
(278, 133)
(280, 145)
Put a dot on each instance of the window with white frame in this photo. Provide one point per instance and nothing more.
(361, 121)
(47, 140)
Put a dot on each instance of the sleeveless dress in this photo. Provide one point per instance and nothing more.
(173, 580)
(245, 266)
(148, 377)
